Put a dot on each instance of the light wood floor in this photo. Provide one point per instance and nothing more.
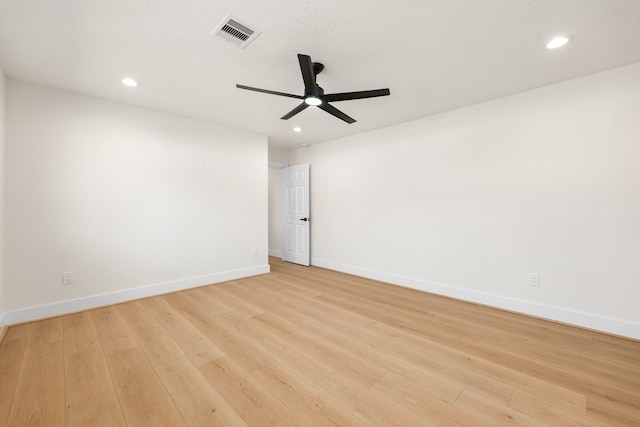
(307, 346)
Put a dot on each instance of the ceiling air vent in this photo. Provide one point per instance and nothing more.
(235, 32)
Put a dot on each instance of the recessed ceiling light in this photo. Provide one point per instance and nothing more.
(557, 42)
(297, 129)
(128, 81)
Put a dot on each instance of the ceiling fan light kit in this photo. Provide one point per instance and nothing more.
(314, 95)
(313, 101)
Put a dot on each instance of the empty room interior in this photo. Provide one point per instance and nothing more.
(318, 213)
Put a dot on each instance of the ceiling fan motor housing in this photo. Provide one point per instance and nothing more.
(317, 93)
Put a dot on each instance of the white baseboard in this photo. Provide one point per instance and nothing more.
(559, 314)
(275, 253)
(86, 303)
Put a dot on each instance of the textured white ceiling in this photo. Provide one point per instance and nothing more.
(434, 55)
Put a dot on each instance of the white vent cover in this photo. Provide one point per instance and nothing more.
(235, 32)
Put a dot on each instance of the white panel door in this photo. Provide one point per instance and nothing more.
(295, 200)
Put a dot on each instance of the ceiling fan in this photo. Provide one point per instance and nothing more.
(314, 95)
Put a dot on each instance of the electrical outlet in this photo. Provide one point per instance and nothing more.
(67, 278)
(254, 252)
(534, 279)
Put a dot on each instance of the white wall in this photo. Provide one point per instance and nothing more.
(469, 202)
(281, 157)
(2, 167)
(126, 198)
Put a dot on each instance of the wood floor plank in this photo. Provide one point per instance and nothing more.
(617, 344)
(411, 396)
(282, 349)
(39, 392)
(11, 352)
(143, 398)
(327, 353)
(17, 331)
(113, 330)
(302, 398)
(225, 293)
(80, 333)
(570, 400)
(196, 398)
(91, 398)
(214, 305)
(549, 412)
(282, 282)
(380, 348)
(158, 345)
(396, 308)
(619, 409)
(614, 352)
(370, 351)
(222, 333)
(193, 343)
(568, 377)
(491, 412)
(365, 404)
(440, 360)
(442, 363)
(254, 403)
(622, 376)
(45, 332)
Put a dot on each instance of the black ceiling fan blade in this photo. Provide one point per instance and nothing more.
(295, 111)
(270, 92)
(308, 75)
(346, 96)
(335, 112)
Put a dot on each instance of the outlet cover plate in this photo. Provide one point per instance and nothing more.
(67, 278)
(534, 280)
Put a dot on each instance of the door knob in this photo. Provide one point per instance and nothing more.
(304, 219)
